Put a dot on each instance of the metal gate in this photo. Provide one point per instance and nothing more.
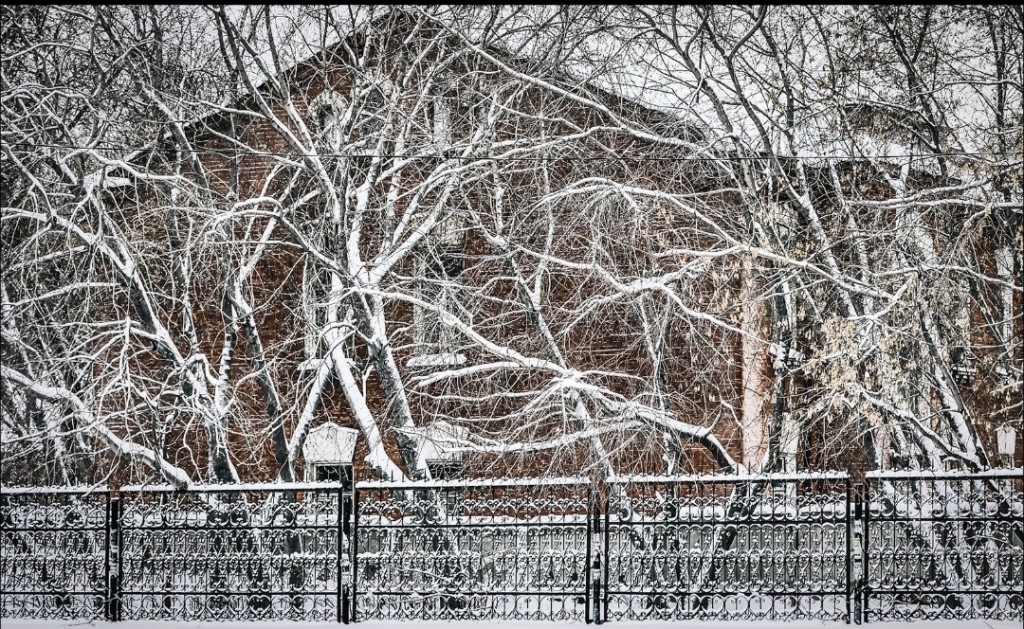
(473, 550)
(728, 547)
(944, 546)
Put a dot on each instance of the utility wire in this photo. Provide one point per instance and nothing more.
(582, 158)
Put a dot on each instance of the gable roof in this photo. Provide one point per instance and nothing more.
(648, 120)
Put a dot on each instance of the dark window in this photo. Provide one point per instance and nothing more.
(374, 100)
(324, 116)
(445, 470)
(334, 474)
(963, 365)
(448, 264)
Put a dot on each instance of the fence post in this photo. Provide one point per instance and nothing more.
(850, 498)
(602, 579)
(588, 562)
(861, 602)
(113, 572)
(341, 614)
(865, 540)
(354, 551)
(598, 560)
(106, 561)
(346, 600)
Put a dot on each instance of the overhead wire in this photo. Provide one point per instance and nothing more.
(658, 158)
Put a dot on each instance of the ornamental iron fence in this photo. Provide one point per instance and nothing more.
(944, 546)
(900, 546)
(55, 554)
(248, 554)
(473, 550)
(766, 547)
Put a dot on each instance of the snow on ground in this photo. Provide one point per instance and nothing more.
(14, 623)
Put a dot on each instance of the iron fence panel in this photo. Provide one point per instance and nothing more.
(481, 551)
(726, 547)
(53, 554)
(231, 554)
(944, 546)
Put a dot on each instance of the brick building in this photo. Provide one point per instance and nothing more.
(483, 267)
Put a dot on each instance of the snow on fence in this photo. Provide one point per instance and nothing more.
(943, 545)
(729, 547)
(237, 552)
(477, 550)
(232, 554)
(54, 560)
(900, 546)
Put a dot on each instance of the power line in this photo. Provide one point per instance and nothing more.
(583, 158)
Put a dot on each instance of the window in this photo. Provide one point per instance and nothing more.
(328, 112)
(437, 344)
(445, 470)
(963, 365)
(441, 264)
(316, 291)
(334, 474)
(1004, 270)
(962, 361)
(448, 264)
(440, 121)
(328, 453)
(438, 440)
(372, 99)
(325, 116)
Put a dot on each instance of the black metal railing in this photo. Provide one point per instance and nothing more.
(54, 554)
(227, 553)
(766, 547)
(473, 550)
(900, 546)
(943, 546)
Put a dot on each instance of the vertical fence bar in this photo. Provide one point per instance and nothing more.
(849, 547)
(346, 530)
(354, 554)
(341, 616)
(588, 562)
(114, 549)
(605, 557)
(107, 591)
(858, 514)
(595, 559)
(865, 567)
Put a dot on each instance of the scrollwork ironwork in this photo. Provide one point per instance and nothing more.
(230, 555)
(509, 551)
(909, 547)
(53, 555)
(945, 547)
(720, 548)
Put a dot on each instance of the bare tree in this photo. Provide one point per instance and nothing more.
(468, 215)
(871, 226)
